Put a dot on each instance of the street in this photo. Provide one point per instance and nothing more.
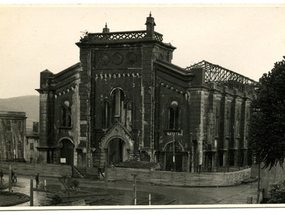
(173, 195)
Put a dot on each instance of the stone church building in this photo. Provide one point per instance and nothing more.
(125, 101)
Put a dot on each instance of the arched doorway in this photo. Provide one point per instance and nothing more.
(169, 157)
(117, 151)
(66, 152)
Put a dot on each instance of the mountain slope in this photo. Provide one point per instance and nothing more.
(28, 104)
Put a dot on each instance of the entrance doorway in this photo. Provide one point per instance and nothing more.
(117, 151)
(66, 152)
(169, 158)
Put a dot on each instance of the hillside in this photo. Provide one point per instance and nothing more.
(28, 104)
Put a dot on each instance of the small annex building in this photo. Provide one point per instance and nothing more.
(126, 101)
(12, 135)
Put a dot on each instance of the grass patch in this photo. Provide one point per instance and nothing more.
(11, 199)
(4, 186)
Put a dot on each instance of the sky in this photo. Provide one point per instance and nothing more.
(247, 39)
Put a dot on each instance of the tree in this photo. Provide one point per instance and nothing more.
(267, 123)
(69, 184)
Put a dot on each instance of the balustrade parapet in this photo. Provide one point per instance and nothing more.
(120, 36)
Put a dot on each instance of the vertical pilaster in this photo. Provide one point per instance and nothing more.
(217, 97)
(244, 130)
(196, 98)
(226, 127)
(43, 119)
(236, 135)
(222, 146)
(148, 101)
(200, 131)
(84, 98)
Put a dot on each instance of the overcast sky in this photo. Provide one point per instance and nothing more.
(247, 40)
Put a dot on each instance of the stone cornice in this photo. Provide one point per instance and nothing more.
(173, 88)
(63, 91)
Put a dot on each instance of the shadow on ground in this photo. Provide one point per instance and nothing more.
(10, 198)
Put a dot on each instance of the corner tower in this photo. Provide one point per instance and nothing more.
(117, 92)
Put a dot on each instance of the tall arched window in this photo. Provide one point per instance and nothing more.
(106, 115)
(8, 146)
(68, 113)
(65, 115)
(228, 123)
(174, 116)
(19, 125)
(118, 103)
(217, 127)
(8, 125)
(129, 115)
(62, 116)
(19, 148)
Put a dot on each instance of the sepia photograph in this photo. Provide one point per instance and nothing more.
(142, 106)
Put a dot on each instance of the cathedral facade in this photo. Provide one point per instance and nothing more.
(125, 101)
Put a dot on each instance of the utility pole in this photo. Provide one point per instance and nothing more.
(173, 159)
(135, 189)
(10, 178)
(31, 192)
(258, 185)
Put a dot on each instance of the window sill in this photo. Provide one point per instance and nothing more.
(172, 130)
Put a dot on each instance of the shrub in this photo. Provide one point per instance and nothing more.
(277, 192)
(4, 186)
(56, 199)
(75, 183)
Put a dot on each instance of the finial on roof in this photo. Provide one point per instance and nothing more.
(106, 29)
(150, 26)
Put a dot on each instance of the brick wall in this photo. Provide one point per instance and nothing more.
(179, 178)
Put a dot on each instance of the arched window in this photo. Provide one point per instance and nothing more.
(174, 116)
(106, 115)
(68, 113)
(228, 122)
(118, 103)
(8, 125)
(19, 125)
(130, 114)
(8, 146)
(65, 115)
(19, 148)
(217, 127)
(62, 116)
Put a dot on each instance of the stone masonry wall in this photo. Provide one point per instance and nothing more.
(32, 169)
(179, 178)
